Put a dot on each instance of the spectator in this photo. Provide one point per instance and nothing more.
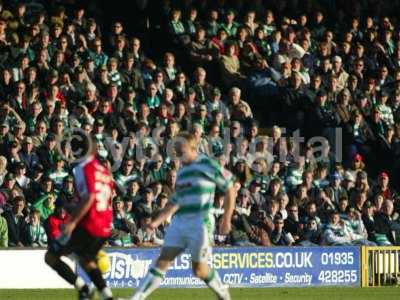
(230, 67)
(368, 220)
(36, 233)
(147, 237)
(336, 232)
(241, 234)
(45, 203)
(16, 223)
(261, 78)
(279, 237)
(312, 234)
(124, 228)
(55, 221)
(384, 227)
(357, 229)
(3, 231)
(292, 222)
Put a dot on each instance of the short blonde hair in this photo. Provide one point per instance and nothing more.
(189, 138)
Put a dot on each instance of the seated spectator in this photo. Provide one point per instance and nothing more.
(336, 232)
(156, 171)
(147, 237)
(312, 234)
(279, 237)
(311, 213)
(368, 216)
(20, 177)
(384, 110)
(58, 173)
(16, 223)
(238, 109)
(335, 191)
(230, 67)
(54, 222)
(177, 29)
(357, 229)
(28, 155)
(199, 49)
(241, 233)
(146, 204)
(123, 227)
(3, 231)
(343, 207)
(126, 174)
(382, 187)
(36, 234)
(292, 222)
(384, 226)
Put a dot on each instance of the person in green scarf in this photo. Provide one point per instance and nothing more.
(36, 234)
(46, 201)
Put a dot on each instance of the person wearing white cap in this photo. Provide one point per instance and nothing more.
(348, 181)
(341, 74)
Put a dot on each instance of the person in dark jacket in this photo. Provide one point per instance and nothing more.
(16, 222)
(293, 102)
(324, 120)
(384, 227)
(292, 222)
(312, 234)
(279, 237)
(368, 219)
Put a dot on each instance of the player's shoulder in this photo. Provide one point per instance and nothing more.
(206, 161)
(89, 165)
(83, 164)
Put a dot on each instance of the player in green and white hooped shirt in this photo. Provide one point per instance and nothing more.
(191, 228)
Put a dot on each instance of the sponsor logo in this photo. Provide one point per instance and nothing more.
(125, 266)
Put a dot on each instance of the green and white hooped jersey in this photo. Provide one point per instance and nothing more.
(196, 184)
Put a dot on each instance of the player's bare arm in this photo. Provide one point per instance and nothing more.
(229, 206)
(167, 212)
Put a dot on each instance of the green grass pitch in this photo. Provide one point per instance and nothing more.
(337, 293)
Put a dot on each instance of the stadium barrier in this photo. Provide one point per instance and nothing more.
(25, 269)
(380, 266)
(238, 267)
(245, 267)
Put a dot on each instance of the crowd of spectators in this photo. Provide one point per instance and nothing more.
(222, 73)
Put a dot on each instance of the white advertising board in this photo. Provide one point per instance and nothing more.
(26, 269)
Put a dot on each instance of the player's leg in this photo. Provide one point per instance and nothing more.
(87, 254)
(156, 273)
(53, 260)
(211, 278)
(200, 250)
(91, 268)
